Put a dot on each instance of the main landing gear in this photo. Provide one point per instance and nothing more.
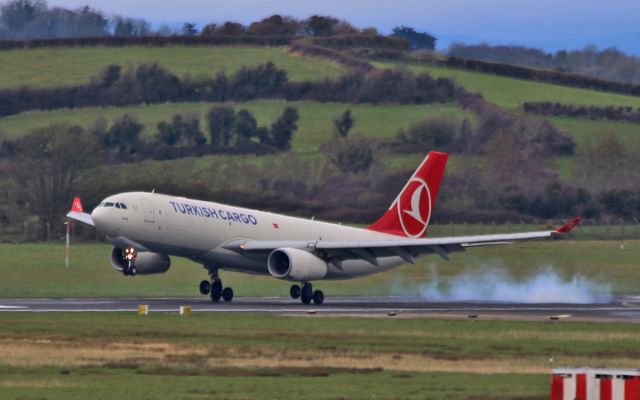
(306, 294)
(214, 288)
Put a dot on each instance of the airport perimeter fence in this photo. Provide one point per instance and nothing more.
(589, 229)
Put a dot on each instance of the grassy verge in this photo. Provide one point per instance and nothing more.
(165, 356)
(76, 65)
(233, 383)
(37, 270)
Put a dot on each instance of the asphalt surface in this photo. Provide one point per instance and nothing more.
(624, 309)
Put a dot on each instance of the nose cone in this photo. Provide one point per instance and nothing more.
(98, 217)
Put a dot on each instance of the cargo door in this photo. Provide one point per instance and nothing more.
(149, 214)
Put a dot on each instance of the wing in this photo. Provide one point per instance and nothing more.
(407, 249)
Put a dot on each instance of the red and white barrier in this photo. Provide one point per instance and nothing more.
(595, 384)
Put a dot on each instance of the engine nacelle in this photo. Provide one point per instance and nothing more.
(296, 265)
(146, 262)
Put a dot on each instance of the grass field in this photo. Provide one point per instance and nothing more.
(584, 131)
(37, 270)
(76, 65)
(165, 356)
(510, 93)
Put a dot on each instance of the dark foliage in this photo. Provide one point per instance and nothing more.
(246, 126)
(608, 64)
(540, 75)
(282, 130)
(344, 123)
(275, 25)
(123, 138)
(350, 155)
(182, 129)
(362, 40)
(417, 40)
(150, 83)
(221, 120)
(119, 41)
(429, 134)
(386, 86)
(49, 164)
(319, 25)
(627, 114)
(555, 200)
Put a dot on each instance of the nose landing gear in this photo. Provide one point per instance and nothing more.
(307, 294)
(129, 256)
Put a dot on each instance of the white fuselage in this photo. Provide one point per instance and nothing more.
(198, 230)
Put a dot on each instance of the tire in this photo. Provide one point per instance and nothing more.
(294, 292)
(227, 294)
(306, 294)
(318, 297)
(216, 291)
(133, 271)
(205, 287)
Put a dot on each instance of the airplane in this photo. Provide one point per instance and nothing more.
(146, 228)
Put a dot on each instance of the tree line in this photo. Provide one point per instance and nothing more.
(548, 108)
(34, 19)
(225, 131)
(151, 83)
(608, 64)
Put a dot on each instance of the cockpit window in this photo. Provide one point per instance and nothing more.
(117, 205)
(108, 204)
(123, 206)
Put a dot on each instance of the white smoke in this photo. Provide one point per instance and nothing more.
(491, 284)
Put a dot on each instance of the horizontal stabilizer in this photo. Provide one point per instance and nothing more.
(77, 212)
(81, 216)
(566, 228)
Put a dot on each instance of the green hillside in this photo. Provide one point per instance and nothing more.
(315, 126)
(50, 67)
(67, 66)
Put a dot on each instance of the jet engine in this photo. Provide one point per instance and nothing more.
(296, 265)
(146, 262)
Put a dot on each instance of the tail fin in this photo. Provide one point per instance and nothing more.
(410, 212)
(77, 205)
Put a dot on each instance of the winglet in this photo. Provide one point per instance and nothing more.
(566, 228)
(77, 205)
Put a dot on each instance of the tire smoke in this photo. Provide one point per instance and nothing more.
(491, 284)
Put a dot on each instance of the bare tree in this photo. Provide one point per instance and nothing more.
(51, 166)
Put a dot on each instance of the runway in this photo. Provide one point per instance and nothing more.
(623, 309)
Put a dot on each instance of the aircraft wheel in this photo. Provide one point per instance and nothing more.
(294, 292)
(216, 290)
(227, 294)
(306, 294)
(133, 271)
(205, 287)
(318, 297)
